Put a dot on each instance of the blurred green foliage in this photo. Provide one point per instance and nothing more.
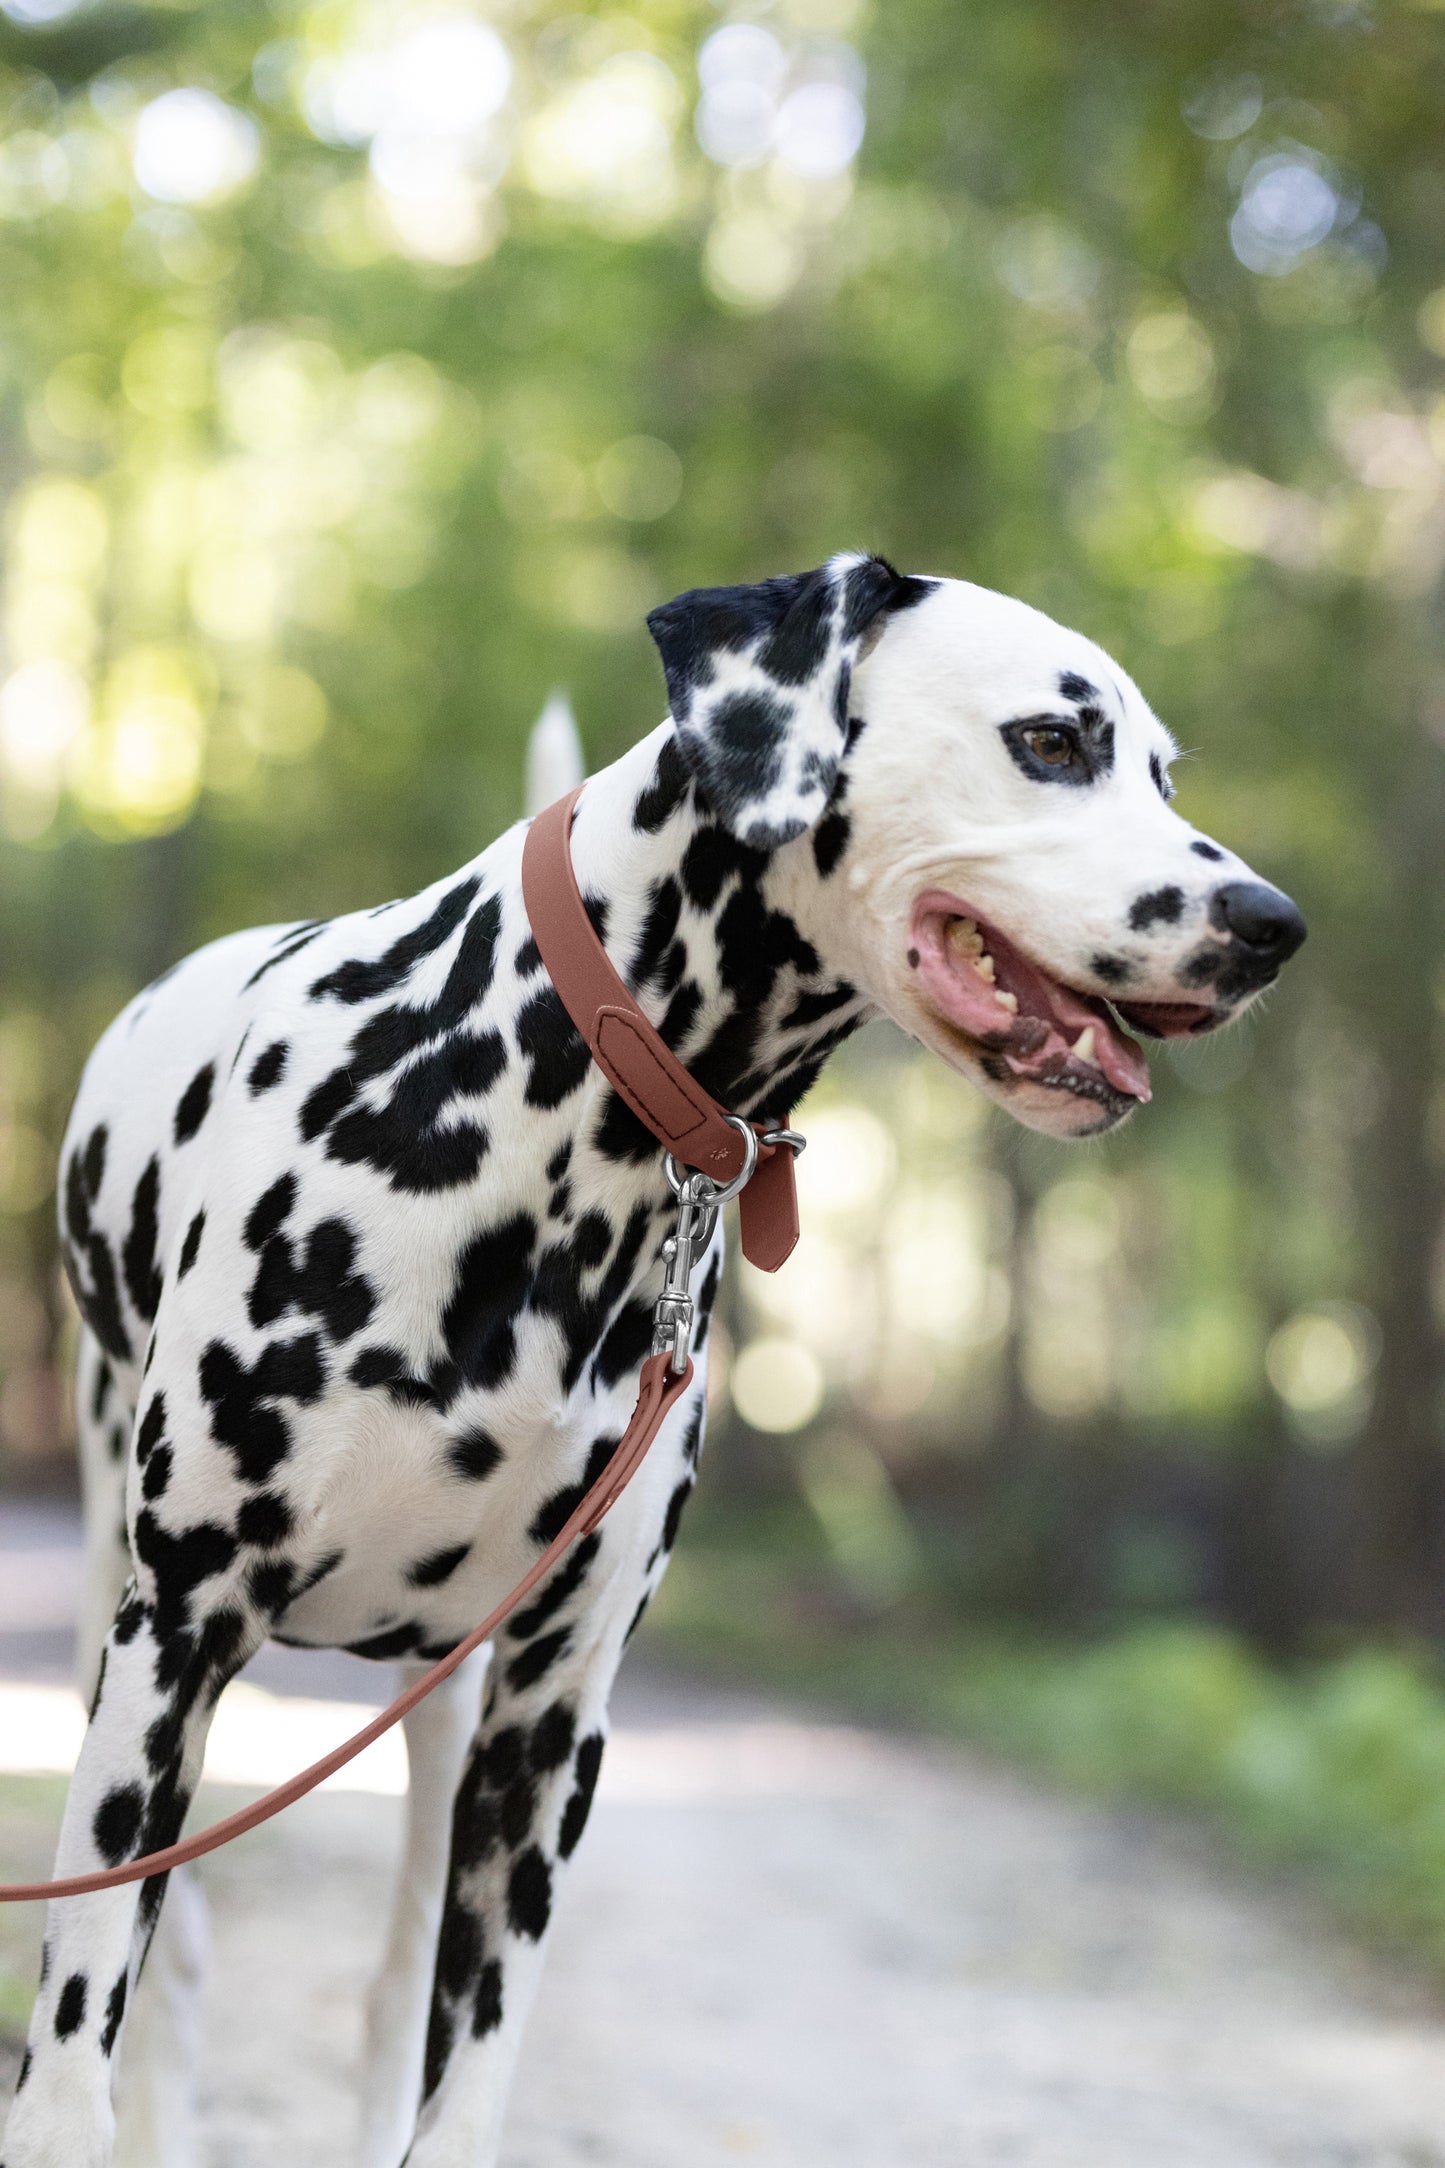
(368, 367)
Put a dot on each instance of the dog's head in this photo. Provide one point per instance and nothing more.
(969, 806)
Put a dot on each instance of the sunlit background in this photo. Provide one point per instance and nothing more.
(368, 370)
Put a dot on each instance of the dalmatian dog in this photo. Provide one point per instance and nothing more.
(366, 1249)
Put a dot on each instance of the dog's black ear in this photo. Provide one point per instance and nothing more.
(758, 680)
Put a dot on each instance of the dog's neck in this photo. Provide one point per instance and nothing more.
(710, 935)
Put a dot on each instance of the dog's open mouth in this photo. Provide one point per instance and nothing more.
(1030, 1024)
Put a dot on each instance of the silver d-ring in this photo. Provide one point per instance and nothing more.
(793, 1138)
(721, 1191)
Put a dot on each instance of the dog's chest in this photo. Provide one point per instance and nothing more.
(411, 1520)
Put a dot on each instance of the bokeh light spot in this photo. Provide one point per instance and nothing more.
(191, 147)
(777, 1385)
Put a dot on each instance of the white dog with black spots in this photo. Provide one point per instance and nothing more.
(366, 1249)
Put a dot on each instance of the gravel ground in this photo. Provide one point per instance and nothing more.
(790, 1944)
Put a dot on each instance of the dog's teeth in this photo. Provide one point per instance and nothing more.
(983, 965)
(1006, 1001)
(1083, 1049)
(964, 936)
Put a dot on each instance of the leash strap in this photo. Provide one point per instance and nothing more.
(756, 1167)
(662, 1388)
(637, 1062)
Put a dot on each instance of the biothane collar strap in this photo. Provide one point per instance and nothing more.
(641, 1067)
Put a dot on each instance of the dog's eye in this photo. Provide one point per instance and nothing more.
(1049, 751)
(1055, 748)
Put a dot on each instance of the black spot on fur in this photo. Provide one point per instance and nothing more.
(1076, 688)
(1159, 907)
(563, 1584)
(487, 2007)
(1202, 968)
(490, 1287)
(591, 1239)
(439, 1566)
(322, 1284)
(117, 1821)
(552, 1737)
(268, 1068)
(518, 1809)
(551, 1518)
(291, 943)
(474, 1455)
(271, 1586)
(665, 793)
(190, 1248)
(682, 1014)
(711, 858)
(459, 1950)
(675, 1506)
(194, 1103)
(150, 1428)
(740, 755)
(242, 1416)
(438, 2047)
(384, 1648)
(579, 1806)
(1210, 851)
(529, 1895)
(535, 1661)
(554, 1049)
(93, 1163)
(528, 959)
(142, 1275)
(626, 1344)
(830, 840)
(271, 1210)
(1113, 970)
(158, 1473)
(388, 1367)
(811, 1008)
(264, 1520)
(70, 2009)
(364, 981)
(403, 1138)
(87, 1255)
(658, 931)
(114, 2012)
(1159, 778)
(325, 1102)
(619, 1134)
(705, 1300)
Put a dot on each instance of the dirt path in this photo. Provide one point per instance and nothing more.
(797, 1946)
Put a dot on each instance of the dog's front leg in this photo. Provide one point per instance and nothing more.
(438, 1733)
(138, 1767)
(520, 1809)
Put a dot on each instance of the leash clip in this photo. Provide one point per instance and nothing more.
(673, 1315)
(699, 1200)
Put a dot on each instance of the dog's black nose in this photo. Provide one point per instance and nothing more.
(1260, 918)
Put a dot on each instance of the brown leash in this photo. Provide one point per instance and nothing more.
(754, 1165)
